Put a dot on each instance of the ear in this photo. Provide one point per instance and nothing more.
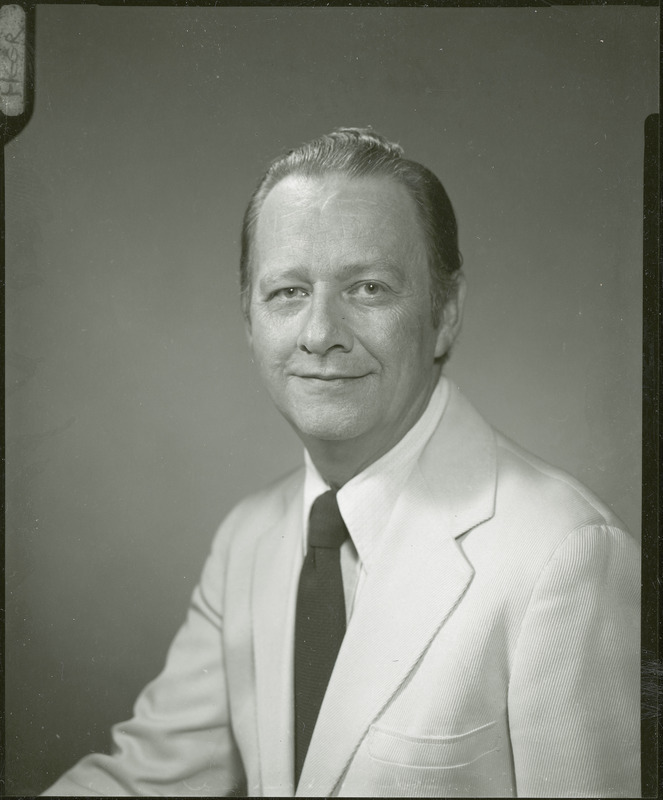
(452, 317)
(245, 305)
(247, 329)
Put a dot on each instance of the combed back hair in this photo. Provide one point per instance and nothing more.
(357, 153)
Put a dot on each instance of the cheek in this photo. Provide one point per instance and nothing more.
(400, 337)
(271, 345)
(416, 325)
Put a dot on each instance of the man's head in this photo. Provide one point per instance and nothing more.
(361, 152)
(341, 309)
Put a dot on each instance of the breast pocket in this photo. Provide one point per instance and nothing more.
(472, 764)
(443, 752)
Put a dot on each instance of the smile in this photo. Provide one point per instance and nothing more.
(330, 377)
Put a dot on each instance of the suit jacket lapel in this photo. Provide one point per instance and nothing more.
(275, 580)
(415, 583)
(459, 465)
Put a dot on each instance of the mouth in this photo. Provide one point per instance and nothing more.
(329, 377)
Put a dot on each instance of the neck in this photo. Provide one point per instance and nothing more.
(338, 461)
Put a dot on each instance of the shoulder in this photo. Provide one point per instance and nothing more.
(511, 494)
(548, 523)
(533, 513)
(269, 502)
(545, 492)
(260, 510)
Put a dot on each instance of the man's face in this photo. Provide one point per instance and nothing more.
(340, 312)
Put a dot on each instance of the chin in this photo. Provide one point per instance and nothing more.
(329, 426)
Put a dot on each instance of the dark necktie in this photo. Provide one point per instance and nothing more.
(320, 623)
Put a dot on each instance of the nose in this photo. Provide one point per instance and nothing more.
(324, 327)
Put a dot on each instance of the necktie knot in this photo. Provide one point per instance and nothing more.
(326, 526)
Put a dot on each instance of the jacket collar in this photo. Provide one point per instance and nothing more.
(459, 466)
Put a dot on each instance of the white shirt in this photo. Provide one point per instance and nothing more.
(367, 501)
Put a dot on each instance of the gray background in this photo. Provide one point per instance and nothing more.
(135, 419)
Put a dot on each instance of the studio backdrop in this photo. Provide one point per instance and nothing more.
(135, 418)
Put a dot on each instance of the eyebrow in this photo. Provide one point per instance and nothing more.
(294, 274)
(299, 272)
(383, 264)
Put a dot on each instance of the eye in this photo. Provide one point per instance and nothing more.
(369, 289)
(290, 293)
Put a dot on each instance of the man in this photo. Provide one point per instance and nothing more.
(425, 609)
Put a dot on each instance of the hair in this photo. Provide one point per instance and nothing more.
(356, 153)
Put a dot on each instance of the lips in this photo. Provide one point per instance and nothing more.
(329, 376)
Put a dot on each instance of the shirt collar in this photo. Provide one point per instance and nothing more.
(367, 501)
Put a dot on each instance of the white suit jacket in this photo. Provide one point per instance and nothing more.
(493, 651)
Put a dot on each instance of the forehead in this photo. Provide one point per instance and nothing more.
(340, 217)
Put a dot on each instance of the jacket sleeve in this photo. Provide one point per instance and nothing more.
(574, 692)
(179, 741)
